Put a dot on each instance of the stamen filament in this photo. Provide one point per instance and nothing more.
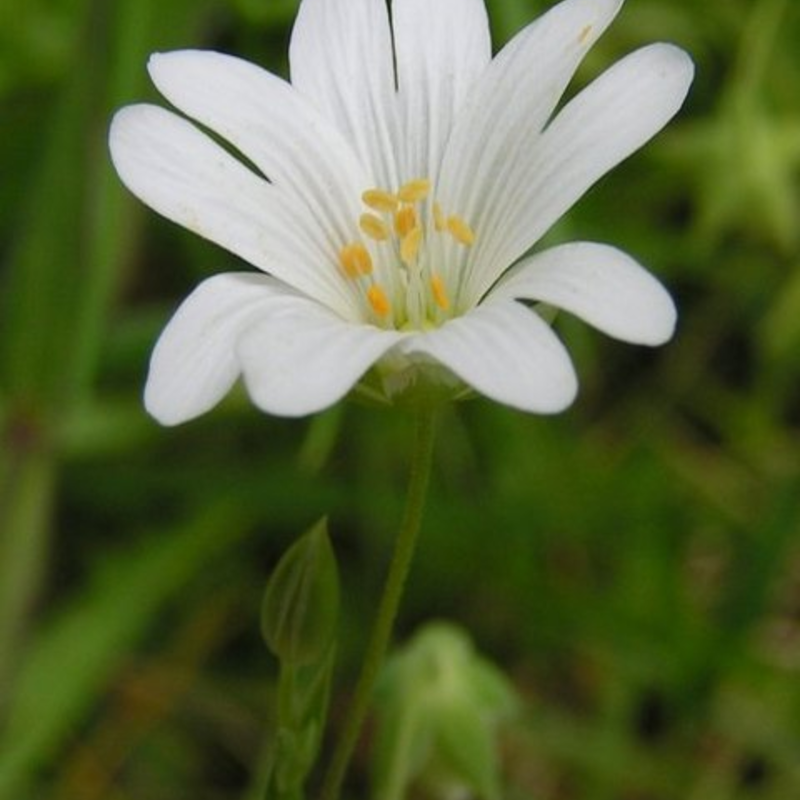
(409, 246)
(439, 221)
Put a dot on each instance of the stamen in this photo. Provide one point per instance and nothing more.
(378, 300)
(380, 200)
(405, 220)
(584, 34)
(355, 260)
(409, 246)
(374, 227)
(414, 191)
(439, 293)
(460, 231)
(402, 221)
(439, 222)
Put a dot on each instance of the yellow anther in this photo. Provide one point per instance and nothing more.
(460, 231)
(409, 246)
(439, 293)
(414, 191)
(380, 200)
(584, 34)
(405, 220)
(378, 300)
(439, 221)
(355, 260)
(374, 227)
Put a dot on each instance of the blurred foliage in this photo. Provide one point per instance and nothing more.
(634, 563)
(439, 707)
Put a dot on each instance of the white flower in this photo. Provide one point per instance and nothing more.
(389, 196)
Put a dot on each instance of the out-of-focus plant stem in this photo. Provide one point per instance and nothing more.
(63, 275)
(26, 493)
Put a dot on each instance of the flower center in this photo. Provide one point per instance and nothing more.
(398, 229)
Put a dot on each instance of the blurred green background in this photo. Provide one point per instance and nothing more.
(633, 564)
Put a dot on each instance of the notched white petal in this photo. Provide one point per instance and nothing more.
(266, 119)
(513, 100)
(194, 363)
(442, 48)
(604, 124)
(601, 285)
(341, 60)
(184, 175)
(505, 352)
(301, 358)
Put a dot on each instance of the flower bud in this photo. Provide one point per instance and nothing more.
(440, 706)
(301, 602)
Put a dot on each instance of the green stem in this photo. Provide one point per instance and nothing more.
(26, 493)
(390, 602)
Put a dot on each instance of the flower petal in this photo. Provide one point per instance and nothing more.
(270, 123)
(302, 358)
(341, 60)
(441, 49)
(185, 176)
(506, 352)
(514, 99)
(194, 363)
(601, 285)
(602, 126)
